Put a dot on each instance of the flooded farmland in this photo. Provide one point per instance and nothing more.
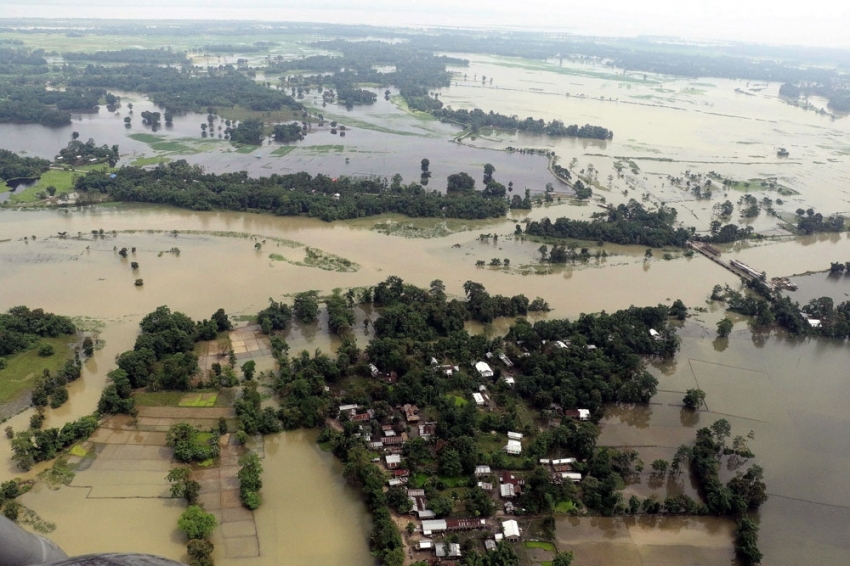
(791, 393)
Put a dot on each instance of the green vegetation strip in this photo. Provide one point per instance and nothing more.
(23, 367)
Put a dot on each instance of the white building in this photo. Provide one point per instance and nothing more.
(509, 381)
(507, 491)
(515, 435)
(572, 476)
(393, 460)
(479, 399)
(655, 334)
(433, 526)
(483, 369)
(510, 529)
(453, 550)
(513, 447)
(482, 470)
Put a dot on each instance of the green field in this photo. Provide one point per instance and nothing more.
(547, 546)
(199, 400)
(61, 179)
(143, 161)
(159, 398)
(24, 367)
(564, 507)
(283, 150)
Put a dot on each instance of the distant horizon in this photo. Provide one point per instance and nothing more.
(820, 23)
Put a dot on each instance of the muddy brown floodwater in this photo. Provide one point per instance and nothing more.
(791, 393)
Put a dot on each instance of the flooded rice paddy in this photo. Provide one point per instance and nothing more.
(791, 393)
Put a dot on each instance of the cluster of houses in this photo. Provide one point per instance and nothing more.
(389, 440)
(509, 531)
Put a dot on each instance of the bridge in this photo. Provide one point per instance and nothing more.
(739, 268)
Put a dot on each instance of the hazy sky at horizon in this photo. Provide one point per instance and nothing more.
(816, 22)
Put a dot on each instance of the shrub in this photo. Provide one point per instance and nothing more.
(46, 350)
(196, 523)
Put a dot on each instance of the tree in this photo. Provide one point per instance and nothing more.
(196, 523)
(306, 306)
(425, 164)
(694, 399)
(182, 485)
(460, 183)
(250, 480)
(679, 310)
(248, 369)
(488, 172)
(563, 559)
(88, 346)
(200, 552)
(724, 327)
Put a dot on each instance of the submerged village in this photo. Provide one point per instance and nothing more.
(283, 294)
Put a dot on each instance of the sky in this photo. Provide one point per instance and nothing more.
(813, 23)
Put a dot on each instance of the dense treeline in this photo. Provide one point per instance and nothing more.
(29, 102)
(768, 307)
(51, 389)
(32, 446)
(162, 56)
(185, 186)
(625, 224)
(809, 221)
(477, 118)
(80, 153)
(162, 358)
(742, 494)
(416, 71)
(836, 93)
(19, 61)
(13, 166)
(183, 90)
(722, 234)
(248, 132)
(21, 327)
(618, 342)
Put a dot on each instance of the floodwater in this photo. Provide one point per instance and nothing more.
(308, 515)
(756, 383)
(600, 541)
(791, 393)
(666, 125)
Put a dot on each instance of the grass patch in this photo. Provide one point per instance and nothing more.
(159, 398)
(62, 179)
(241, 113)
(24, 367)
(78, 450)
(59, 474)
(547, 546)
(143, 161)
(186, 146)
(451, 483)
(458, 400)
(245, 149)
(324, 149)
(564, 507)
(418, 480)
(283, 150)
(199, 400)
